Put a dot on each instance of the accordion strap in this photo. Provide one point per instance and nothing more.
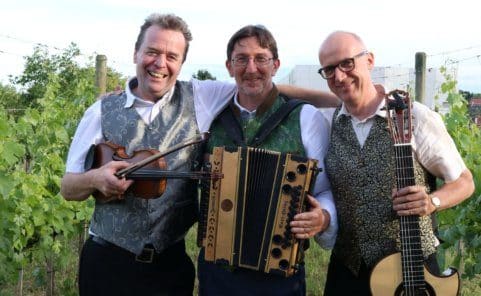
(234, 129)
(232, 126)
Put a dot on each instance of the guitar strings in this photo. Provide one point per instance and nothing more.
(405, 177)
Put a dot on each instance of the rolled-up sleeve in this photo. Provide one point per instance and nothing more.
(433, 146)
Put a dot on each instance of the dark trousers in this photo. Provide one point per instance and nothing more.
(215, 280)
(106, 269)
(341, 281)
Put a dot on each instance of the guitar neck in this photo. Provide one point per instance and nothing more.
(410, 234)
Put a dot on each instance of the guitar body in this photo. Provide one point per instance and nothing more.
(387, 279)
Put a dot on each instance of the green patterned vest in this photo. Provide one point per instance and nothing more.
(362, 179)
(286, 137)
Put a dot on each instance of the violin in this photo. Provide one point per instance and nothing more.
(148, 168)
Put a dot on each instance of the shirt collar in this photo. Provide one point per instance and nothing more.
(379, 110)
(134, 101)
(262, 108)
(242, 109)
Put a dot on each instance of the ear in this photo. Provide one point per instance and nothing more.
(230, 68)
(370, 60)
(135, 57)
(276, 65)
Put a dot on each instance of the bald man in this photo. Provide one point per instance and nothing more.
(360, 167)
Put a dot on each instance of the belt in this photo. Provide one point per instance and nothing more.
(147, 255)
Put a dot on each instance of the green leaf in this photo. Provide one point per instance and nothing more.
(11, 152)
(4, 128)
(6, 184)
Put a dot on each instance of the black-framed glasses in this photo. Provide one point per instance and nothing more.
(345, 66)
(242, 61)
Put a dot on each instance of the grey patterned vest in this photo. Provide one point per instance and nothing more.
(362, 180)
(133, 222)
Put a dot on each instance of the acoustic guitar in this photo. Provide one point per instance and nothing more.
(405, 273)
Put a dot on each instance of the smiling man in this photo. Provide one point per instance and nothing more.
(361, 165)
(252, 59)
(136, 246)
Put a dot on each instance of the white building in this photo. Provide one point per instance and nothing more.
(390, 77)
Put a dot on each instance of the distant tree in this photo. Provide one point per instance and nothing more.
(203, 75)
(469, 95)
(73, 80)
(10, 99)
(466, 94)
(474, 111)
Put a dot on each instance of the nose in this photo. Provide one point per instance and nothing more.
(251, 65)
(160, 60)
(339, 75)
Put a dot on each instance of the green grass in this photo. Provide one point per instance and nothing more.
(317, 260)
(316, 267)
(316, 263)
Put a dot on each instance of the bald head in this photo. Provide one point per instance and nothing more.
(340, 41)
(347, 64)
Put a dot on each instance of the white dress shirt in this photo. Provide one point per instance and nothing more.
(432, 145)
(210, 97)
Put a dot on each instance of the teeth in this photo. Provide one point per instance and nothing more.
(157, 75)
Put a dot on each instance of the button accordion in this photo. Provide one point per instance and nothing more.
(245, 216)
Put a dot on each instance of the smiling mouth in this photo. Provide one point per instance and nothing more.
(252, 79)
(157, 75)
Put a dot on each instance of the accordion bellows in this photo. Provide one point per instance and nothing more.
(245, 216)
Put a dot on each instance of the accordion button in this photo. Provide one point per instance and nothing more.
(277, 239)
(276, 253)
(286, 189)
(291, 176)
(302, 169)
(283, 264)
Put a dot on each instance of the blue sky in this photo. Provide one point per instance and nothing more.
(447, 31)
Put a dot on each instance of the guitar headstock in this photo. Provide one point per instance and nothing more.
(398, 108)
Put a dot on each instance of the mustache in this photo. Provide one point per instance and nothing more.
(252, 76)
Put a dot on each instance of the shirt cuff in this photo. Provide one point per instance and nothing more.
(327, 238)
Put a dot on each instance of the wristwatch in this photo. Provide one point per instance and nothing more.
(435, 201)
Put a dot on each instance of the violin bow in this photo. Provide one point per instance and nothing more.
(133, 167)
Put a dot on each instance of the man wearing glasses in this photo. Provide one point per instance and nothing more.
(136, 246)
(252, 59)
(359, 164)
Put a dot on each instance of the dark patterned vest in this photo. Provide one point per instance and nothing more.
(134, 222)
(362, 179)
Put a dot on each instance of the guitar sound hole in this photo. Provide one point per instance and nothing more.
(428, 291)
